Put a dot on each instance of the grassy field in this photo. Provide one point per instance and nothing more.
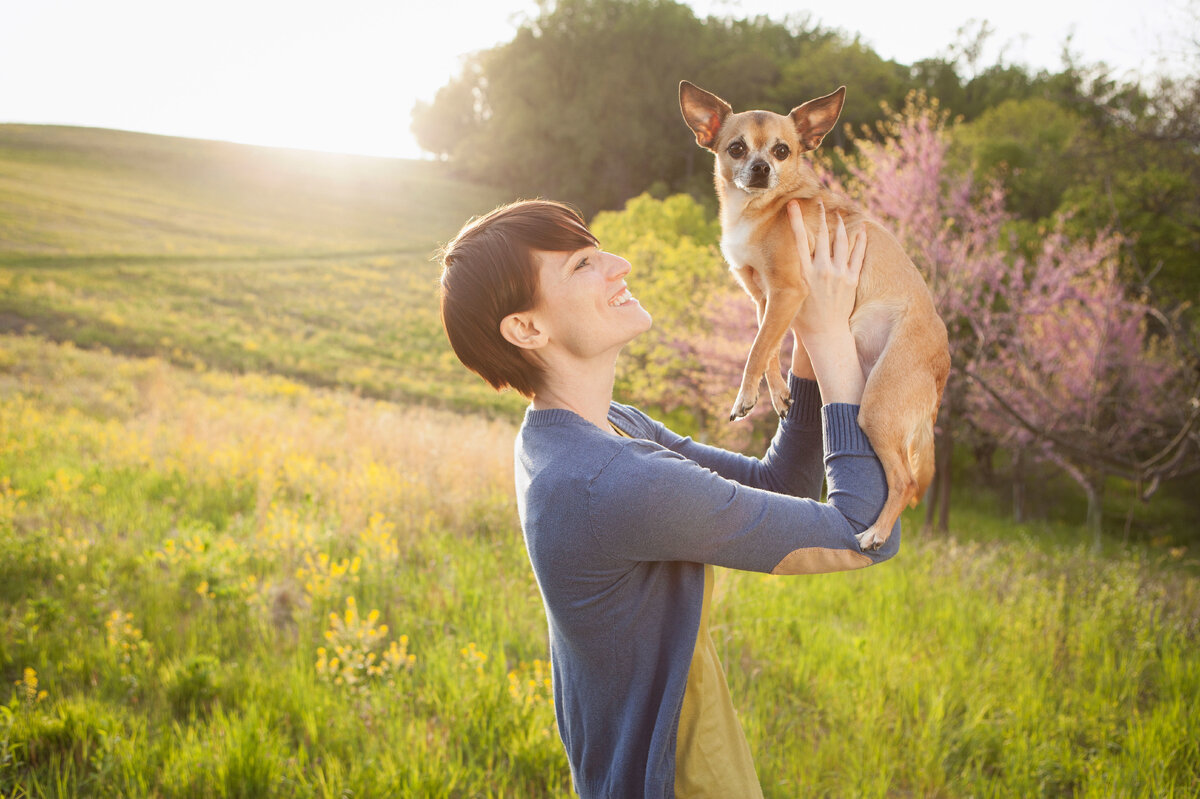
(241, 562)
(316, 267)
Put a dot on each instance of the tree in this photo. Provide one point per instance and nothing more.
(1142, 178)
(1070, 372)
(956, 238)
(1035, 147)
(1060, 359)
(582, 105)
(833, 62)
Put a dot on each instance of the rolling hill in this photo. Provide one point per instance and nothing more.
(210, 254)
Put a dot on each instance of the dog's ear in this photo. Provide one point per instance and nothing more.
(817, 117)
(703, 112)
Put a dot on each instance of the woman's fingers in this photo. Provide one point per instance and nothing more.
(801, 233)
(849, 254)
(858, 254)
(822, 229)
(841, 243)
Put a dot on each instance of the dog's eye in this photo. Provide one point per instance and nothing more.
(781, 151)
(737, 149)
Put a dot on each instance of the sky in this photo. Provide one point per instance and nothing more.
(343, 76)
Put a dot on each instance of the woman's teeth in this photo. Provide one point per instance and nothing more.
(622, 298)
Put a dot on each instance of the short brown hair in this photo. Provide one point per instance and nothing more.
(488, 272)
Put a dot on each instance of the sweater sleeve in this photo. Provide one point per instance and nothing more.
(653, 504)
(792, 463)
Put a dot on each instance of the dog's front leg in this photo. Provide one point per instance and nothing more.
(778, 308)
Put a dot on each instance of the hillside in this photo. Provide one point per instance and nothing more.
(210, 254)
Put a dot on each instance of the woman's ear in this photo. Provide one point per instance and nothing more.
(521, 330)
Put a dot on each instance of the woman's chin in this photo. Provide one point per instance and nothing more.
(649, 322)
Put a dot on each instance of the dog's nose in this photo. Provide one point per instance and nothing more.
(760, 175)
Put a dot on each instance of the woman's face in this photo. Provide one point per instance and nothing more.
(584, 302)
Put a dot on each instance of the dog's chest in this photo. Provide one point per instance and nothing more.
(737, 247)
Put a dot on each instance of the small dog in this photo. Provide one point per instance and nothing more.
(901, 340)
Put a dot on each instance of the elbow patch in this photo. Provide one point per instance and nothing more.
(821, 560)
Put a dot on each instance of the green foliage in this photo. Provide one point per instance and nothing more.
(974, 96)
(679, 276)
(870, 81)
(1036, 146)
(1094, 152)
(552, 112)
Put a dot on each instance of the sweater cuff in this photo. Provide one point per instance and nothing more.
(806, 402)
(840, 430)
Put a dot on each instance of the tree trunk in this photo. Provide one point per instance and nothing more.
(930, 498)
(1018, 486)
(1091, 480)
(937, 497)
(943, 473)
(1094, 489)
(985, 451)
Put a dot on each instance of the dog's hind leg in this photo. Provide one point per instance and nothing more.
(897, 414)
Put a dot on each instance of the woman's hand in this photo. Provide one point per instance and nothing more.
(832, 275)
(823, 323)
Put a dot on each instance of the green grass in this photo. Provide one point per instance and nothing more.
(223, 518)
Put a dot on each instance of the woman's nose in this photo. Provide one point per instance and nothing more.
(618, 267)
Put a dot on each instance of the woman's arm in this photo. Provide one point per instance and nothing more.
(651, 504)
(791, 464)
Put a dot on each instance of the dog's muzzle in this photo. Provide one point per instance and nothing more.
(760, 175)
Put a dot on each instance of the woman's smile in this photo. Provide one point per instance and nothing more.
(623, 296)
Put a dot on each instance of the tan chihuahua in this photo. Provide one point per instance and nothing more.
(901, 340)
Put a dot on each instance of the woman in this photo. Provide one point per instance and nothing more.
(624, 520)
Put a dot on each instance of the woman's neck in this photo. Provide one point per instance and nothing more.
(585, 391)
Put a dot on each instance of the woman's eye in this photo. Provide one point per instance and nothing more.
(737, 149)
(781, 151)
(582, 264)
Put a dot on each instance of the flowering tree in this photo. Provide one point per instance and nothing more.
(1058, 358)
(1073, 375)
(954, 235)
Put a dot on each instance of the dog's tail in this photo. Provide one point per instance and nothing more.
(921, 458)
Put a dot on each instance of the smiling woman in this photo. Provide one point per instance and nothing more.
(624, 520)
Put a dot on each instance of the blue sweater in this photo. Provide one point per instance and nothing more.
(618, 530)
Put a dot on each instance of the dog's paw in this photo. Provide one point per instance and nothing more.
(742, 406)
(868, 541)
(781, 403)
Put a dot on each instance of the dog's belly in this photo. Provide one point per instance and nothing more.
(871, 325)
